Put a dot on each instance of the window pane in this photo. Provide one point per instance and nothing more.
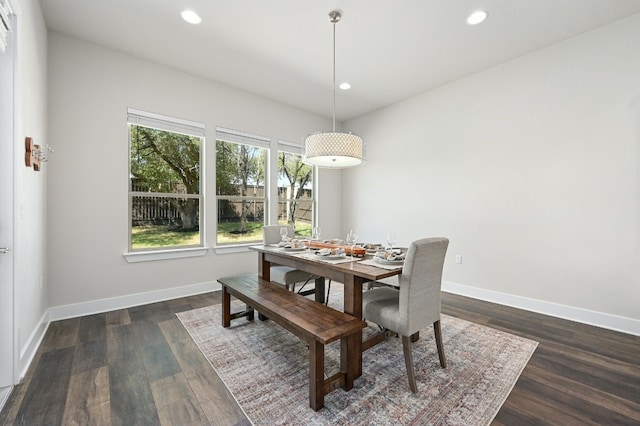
(295, 193)
(240, 221)
(164, 190)
(164, 161)
(298, 213)
(161, 222)
(240, 169)
(240, 172)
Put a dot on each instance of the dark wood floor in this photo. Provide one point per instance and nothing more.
(139, 366)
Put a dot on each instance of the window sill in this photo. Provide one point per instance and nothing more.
(147, 256)
(234, 249)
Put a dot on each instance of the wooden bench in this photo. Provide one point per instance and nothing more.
(311, 321)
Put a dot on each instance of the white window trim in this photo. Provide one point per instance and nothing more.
(175, 125)
(164, 122)
(179, 253)
(291, 148)
(294, 148)
(238, 137)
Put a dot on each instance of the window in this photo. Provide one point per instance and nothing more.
(295, 189)
(165, 197)
(5, 24)
(241, 194)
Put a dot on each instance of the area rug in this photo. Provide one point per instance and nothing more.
(266, 369)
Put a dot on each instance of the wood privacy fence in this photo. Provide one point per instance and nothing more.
(165, 211)
(154, 211)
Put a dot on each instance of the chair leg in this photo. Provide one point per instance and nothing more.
(408, 361)
(326, 299)
(438, 333)
(303, 285)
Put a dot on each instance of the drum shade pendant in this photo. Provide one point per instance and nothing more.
(336, 150)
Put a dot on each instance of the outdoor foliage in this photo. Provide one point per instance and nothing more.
(239, 168)
(166, 162)
(298, 176)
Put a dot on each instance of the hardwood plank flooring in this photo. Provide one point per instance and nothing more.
(139, 366)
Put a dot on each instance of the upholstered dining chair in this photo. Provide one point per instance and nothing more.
(416, 303)
(284, 275)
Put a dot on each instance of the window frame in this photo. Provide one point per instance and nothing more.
(238, 137)
(169, 124)
(292, 148)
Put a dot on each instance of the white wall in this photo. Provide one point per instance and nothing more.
(90, 90)
(531, 168)
(31, 187)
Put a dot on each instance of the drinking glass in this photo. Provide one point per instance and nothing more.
(315, 235)
(391, 239)
(283, 233)
(315, 232)
(352, 238)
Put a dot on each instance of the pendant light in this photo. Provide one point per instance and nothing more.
(336, 150)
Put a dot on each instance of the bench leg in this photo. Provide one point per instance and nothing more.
(250, 314)
(226, 307)
(316, 375)
(349, 360)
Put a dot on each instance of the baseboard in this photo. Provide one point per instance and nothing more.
(598, 319)
(4, 395)
(114, 303)
(33, 343)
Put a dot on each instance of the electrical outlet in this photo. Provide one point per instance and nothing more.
(459, 259)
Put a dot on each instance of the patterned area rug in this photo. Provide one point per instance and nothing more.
(265, 368)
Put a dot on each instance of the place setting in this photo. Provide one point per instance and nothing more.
(329, 255)
(289, 244)
(387, 258)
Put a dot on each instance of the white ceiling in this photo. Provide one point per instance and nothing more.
(282, 49)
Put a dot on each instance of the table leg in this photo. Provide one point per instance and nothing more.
(226, 307)
(352, 306)
(264, 267)
(320, 290)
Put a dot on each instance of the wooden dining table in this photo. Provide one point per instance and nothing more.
(351, 274)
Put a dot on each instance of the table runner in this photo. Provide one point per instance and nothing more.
(312, 256)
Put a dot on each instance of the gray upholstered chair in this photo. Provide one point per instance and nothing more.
(416, 304)
(284, 275)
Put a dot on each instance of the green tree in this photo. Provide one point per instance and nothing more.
(238, 168)
(297, 175)
(167, 162)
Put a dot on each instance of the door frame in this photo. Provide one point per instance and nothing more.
(9, 165)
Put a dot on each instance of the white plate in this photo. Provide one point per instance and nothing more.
(294, 248)
(331, 256)
(388, 262)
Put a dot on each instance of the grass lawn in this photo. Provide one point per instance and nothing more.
(153, 237)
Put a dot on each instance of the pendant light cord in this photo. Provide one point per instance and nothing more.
(334, 77)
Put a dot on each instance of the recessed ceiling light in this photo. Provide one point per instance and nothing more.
(345, 86)
(477, 17)
(191, 17)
